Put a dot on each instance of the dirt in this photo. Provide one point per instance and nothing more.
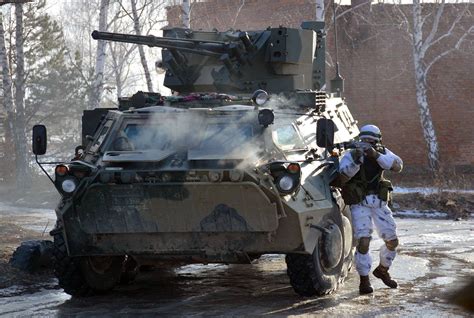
(435, 258)
(12, 236)
(456, 205)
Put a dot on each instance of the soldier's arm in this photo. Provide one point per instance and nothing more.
(390, 161)
(348, 167)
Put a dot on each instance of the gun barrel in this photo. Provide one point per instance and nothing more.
(209, 48)
(356, 144)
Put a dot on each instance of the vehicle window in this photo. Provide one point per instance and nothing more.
(287, 138)
(143, 137)
(225, 136)
(103, 132)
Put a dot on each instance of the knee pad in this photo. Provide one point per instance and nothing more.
(392, 244)
(363, 245)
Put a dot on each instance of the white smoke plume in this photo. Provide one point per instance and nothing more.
(213, 134)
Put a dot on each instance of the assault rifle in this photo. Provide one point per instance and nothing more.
(359, 145)
(355, 145)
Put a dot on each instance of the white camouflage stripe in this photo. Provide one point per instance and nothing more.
(364, 215)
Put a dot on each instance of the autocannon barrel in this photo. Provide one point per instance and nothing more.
(210, 48)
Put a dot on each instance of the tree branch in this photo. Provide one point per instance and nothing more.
(449, 32)
(405, 21)
(238, 13)
(456, 47)
(434, 29)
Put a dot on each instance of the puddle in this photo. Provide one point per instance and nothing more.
(443, 280)
(433, 259)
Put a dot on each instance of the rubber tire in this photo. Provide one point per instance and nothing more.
(130, 270)
(67, 270)
(307, 276)
(32, 256)
(75, 275)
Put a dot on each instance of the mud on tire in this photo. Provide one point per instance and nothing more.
(77, 276)
(67, 270)
(307, 276)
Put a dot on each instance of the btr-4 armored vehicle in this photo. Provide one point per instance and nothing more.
(237, 163)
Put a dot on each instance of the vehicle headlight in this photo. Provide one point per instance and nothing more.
(215, 176)
(260, 97)
(286, 183)
(69, 185)
(235, 175)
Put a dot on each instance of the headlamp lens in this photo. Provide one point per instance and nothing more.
(286, 183)
(68, 185)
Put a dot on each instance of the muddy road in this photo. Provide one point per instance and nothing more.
(436, 257)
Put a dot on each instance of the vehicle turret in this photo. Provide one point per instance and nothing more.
(235, 62)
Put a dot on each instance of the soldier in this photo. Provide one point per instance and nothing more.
(368, 194)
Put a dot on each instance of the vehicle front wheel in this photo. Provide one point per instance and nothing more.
(83, 276)
(321, 272)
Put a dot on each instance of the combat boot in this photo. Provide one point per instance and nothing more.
(365, 287)
(382, 273)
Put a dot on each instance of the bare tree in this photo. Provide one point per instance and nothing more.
(7, 88)
(186, 13)
(98, 83)
(15, 106)
(423, 61)
(21, 150)
(141, 51)
(320, 12)
(121, 54)
(430, 30)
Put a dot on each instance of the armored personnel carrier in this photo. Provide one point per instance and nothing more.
(237, 163)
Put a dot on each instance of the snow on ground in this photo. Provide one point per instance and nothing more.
(429, 190)
(420, 214)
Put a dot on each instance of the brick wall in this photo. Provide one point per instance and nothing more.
(376, 61)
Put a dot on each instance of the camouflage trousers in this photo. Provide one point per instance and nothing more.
(372, 211)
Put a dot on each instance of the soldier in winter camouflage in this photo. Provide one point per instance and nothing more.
(368, 194)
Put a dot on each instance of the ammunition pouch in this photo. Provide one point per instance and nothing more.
(354, 191)
(384, 190)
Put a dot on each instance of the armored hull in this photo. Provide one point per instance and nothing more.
(220, 177)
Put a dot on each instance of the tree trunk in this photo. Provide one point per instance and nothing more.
(117, 73)
(9, 123)
(98, 83)
(421, 97)
(141, 51)
(186, 14)
(23, 175)
(320, 10)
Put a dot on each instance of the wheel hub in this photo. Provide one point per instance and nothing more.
(331, 247)
(100, 264)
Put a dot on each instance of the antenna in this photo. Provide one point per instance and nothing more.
(337, 84)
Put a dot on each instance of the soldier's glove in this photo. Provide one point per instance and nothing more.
(358, 154)
(372, 153)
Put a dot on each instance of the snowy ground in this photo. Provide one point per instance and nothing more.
(436, 257)
(428, 190)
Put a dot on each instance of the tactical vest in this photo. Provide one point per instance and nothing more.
(369, 180)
